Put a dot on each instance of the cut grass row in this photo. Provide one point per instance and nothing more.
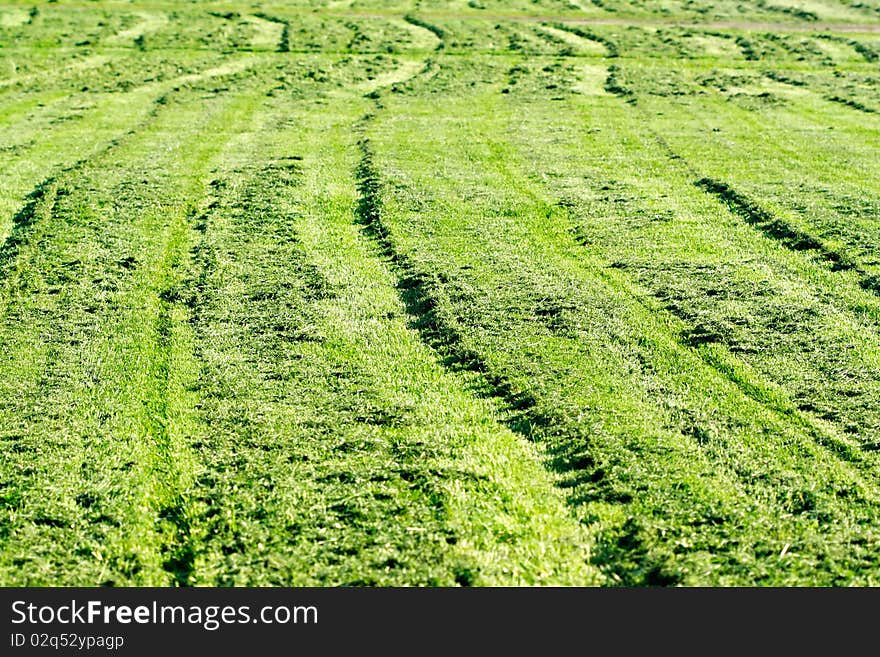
(93, 464)
(687, 474)
(487, 318)
(45, 129)
(822, 311)
(338, 450)
(228, 389)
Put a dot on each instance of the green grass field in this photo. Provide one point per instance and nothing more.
(439, 293)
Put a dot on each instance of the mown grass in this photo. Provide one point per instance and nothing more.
(103, 354)
(515, 299)
(372, 465)
(437, 294)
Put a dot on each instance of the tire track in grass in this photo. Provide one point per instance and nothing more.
(337, 451)
(298, 424)
(169, 408)
(752, 383)
(714, 354)
(139, 110)
(777, 229)
(629, 466)
(38, 208)
(113, 118)
(827, 90)
(783, 232)
(41, 202)
(837, 260)
(422, 298)
(794, 238)
(575, 32)
(105, 349)
(438, 33)
(168, 417)
(251, 294)
(576, 44)
(419, 306)
(798, 240)
(798, 131)
(416, 290)
(853, 104)
(430, 35)
(428, 306)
